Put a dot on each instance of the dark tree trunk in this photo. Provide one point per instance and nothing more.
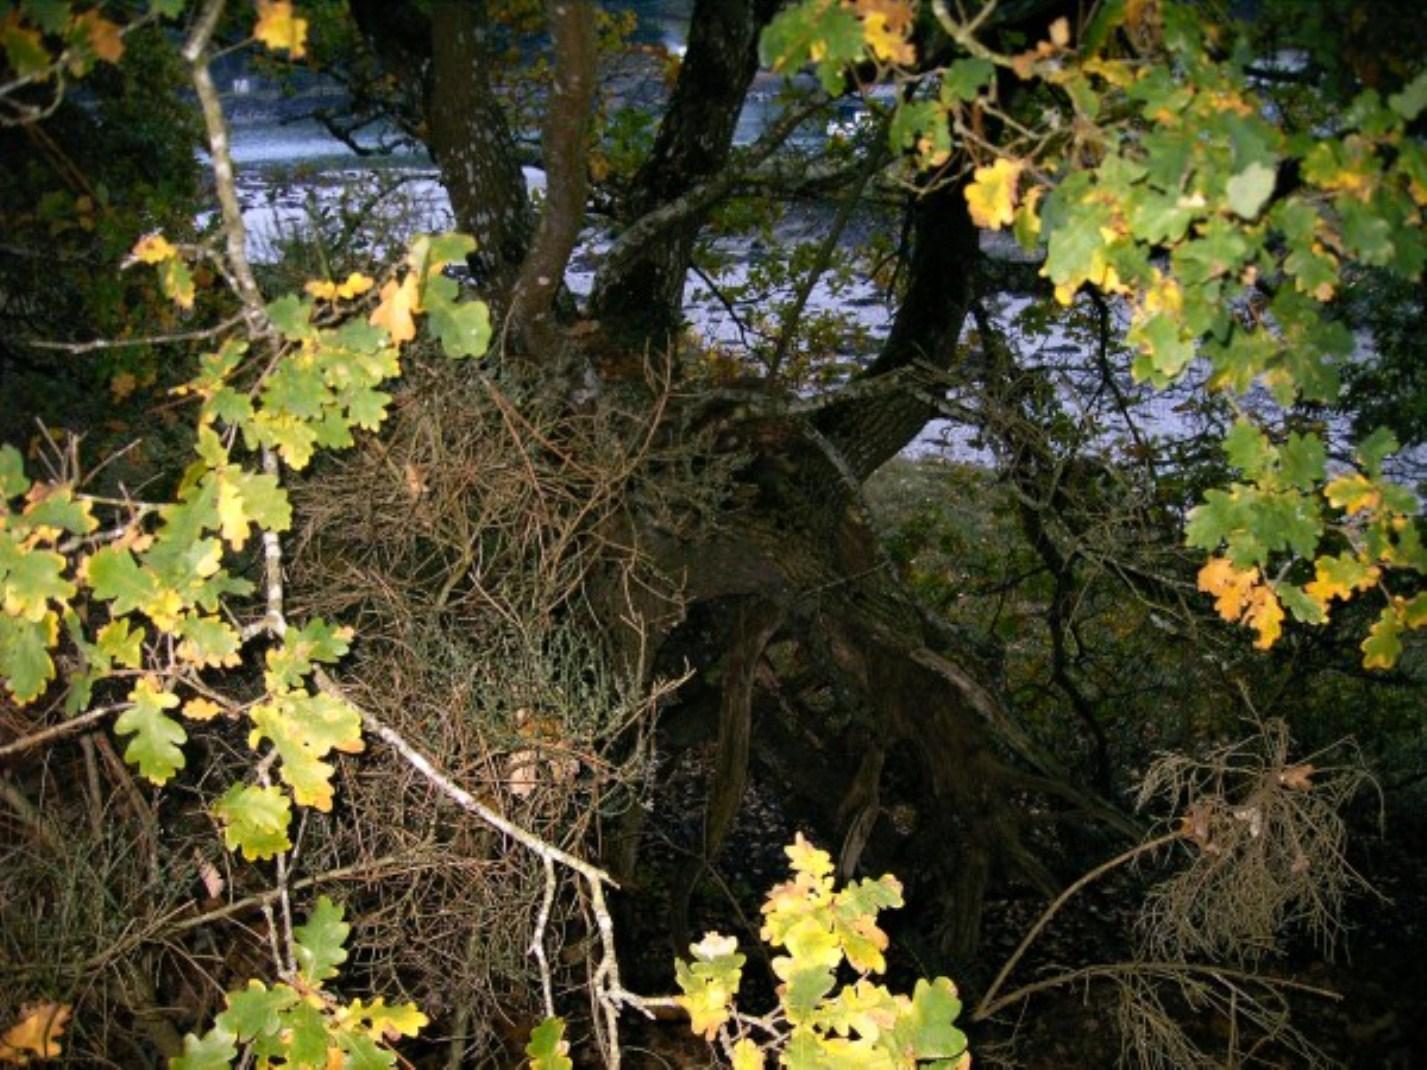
(644, 301)
(466, 129)
(871, 429)
(474, 148)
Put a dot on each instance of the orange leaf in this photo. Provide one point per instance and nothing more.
(1265, 616)
(34, 1034)
(1230, 586)
(1298, 777)
(106, 39)
(398, 303)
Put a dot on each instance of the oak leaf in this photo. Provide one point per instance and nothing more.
(398, 302)
(153, 249)
(33, 1036)
(281, 30)
(105, 38)
(991, 197)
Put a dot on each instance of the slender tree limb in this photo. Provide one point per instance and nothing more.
(234, 232)
(630, 244)
(565, 144)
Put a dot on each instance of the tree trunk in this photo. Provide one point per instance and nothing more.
(643, 302)
(474, 148)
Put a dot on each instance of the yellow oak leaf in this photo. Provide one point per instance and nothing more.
(201, 709)
(355, 285)
(399, 301)
(153, 249)
(1231, 587)
(281, 30)
(1265, 616)
(1353, 494)
(747, 1055)
(122, 385)
(808, 859)
(231, 515)
(991, 197)
(897, 15)
(1339, 577)
(885, 43)
(33, 1036)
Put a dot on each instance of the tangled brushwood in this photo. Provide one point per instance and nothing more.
(477, 547)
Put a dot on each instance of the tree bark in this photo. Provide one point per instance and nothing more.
(448, 54)
(871, 429)
(565, 144)
(643, 300)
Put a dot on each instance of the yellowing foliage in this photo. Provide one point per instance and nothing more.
(1240, 598)
(279, 29)
(153, 249)
(886, 25)
(399, 303)
(355, 285)
(1229, 586)
(991, 196)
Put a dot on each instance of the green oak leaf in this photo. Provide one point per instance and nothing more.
(255, 820)
(464, 329)
(798, 34)
(25, 661)
(292, 316)
(363, 1053)
(449, 248)
(1302, 460)
(302, 769)
(1410, 102)
(116, 577)
(1383, 646)
(13, 481)
(934, 1008)
(59, 509)
(215, 1050)
(256, 1011)
(208, 642)
(31, 581)
(308, 1039)
(318, 942)
(965, 79)
(1248, 449)
(547, 1046)
(1249, 190)
(123, 643)
(315, 641)
(155, 746)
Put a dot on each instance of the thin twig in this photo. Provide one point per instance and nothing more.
(988, 1004)
(147, 340)
(59, 731)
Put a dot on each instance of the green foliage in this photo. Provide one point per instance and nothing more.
(303, 1024)
(155, 599)
(1227, 226)
(820, 930)
(547, 1048)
